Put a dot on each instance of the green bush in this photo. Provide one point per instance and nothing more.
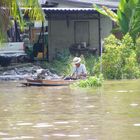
(138, 49)
(3, 37)
(89, 62)
(119, 59)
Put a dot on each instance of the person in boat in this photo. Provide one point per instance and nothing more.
(79, 70)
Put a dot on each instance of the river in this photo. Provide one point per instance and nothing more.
(63, 113)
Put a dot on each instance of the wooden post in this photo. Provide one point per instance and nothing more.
(43, 39)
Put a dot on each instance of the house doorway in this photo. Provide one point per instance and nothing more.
(81, 32)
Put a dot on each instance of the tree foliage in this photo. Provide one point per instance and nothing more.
(13, 8)
(119, 60)
(127, 16)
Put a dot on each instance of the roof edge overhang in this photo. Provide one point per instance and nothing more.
(88, 4)
(68, 10)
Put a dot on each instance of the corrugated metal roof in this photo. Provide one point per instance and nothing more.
(70, 13)
(70, 9)
(93, 1)
(62, 9)
(89, 3)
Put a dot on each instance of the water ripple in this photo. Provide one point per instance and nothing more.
(133, 104)
(90, 106)
(24, 124)
(18, 138)
(73, 136)
(121, 91)
(42, 125)
(46, 135)
(59, 135)
(137, 124)
(3, 134)
(61, 122)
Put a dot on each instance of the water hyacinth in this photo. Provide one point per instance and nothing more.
(92, 81)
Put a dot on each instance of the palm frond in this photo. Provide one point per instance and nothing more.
(127, 16)
(107, 12)
(111, 14)
(13, 8)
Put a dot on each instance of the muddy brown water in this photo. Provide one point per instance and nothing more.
(62, 113)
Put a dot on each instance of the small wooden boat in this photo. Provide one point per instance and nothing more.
(56, 82)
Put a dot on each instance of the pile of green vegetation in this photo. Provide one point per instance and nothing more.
(119, 59)
(92, 81)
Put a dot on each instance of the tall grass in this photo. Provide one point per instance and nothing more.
(90, 62)
(62, 65)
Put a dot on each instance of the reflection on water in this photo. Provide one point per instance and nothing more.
(61, 113)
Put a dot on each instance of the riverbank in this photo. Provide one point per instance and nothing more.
(23, 71)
